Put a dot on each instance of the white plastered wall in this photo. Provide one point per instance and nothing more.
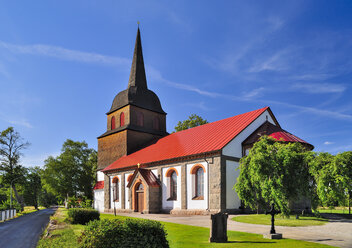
(234, 148)
(100, 176)
(232, 199)
(99, 200)
(171, 204)
(99, 194)
(197, 204)
(118, 203)
(127, 200)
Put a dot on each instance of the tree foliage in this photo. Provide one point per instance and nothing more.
(274, 172)
(72, 173)
(333, 176)
(11, 146)
(192, 121)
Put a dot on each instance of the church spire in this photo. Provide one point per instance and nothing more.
(137, 75)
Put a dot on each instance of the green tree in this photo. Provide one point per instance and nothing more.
(274, 172)
(33, 186)
(333, 176)
(192, 121)
(343, 172)
(72, 173)
(11, 145)
(321, 166)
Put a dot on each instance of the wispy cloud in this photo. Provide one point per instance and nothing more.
(200, 105)
(86, 57)
(318, 88)
(254, 93)
(65, 54)
(275, 62)
(328, 143)
(21, 122)
(275, 22)
(316, 111)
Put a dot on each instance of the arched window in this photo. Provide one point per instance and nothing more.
(115, 189)
(199, 183)
(113, 123)
(122, 119)
(171, 180)
(156, 123)
(197, 172)
(140, 119)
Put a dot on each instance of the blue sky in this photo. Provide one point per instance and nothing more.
(62, 63)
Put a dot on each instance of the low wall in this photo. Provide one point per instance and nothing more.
(7, 214)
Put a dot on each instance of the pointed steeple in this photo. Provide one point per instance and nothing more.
(137, 75)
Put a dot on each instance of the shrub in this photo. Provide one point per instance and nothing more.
(82, 216)
(127, 233)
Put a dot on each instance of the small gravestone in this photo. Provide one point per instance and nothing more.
(218, 230)
(273, 234)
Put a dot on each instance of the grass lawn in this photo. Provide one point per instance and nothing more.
(178, 236)
(280, 221)
(337, 210)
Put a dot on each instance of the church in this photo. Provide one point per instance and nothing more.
(142, 168)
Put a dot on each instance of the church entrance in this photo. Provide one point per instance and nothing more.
(139, 198)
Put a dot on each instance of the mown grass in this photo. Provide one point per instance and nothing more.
(336, 210)
(178, 236)
(263, 219)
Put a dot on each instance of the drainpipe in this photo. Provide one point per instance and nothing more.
(205, 159)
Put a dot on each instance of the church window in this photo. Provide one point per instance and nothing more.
(171, 179)
(140, 119)
(156, 123)
(113, 123)
(122, 119)
(115, 189)
(197, 172)
(199, 183)
(129, 177)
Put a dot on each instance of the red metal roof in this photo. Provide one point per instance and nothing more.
(275, 132)
(148, 176)
(99, 185)
(206, 138)
(285, 136)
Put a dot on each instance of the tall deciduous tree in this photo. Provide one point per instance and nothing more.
(274, 172)
(33, 186)
(192, 121)
(72, 173)
(11, 145)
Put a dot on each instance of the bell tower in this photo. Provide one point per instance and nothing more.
(135, 118)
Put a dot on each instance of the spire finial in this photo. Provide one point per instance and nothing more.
(138, 23)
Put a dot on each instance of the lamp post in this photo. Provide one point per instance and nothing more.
(11, 191)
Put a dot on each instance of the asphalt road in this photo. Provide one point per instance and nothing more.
(24, 232)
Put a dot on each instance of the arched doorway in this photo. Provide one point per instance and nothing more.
(139, 197)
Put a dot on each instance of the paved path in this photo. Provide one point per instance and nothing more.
(335, 232)
(24, 231)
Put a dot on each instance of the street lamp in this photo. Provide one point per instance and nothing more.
(11, 191)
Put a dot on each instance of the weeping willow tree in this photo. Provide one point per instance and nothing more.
(275, 172)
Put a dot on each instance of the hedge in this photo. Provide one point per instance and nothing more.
(82, 216)
(127, 233)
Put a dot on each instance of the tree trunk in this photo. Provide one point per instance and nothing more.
(18, 198)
